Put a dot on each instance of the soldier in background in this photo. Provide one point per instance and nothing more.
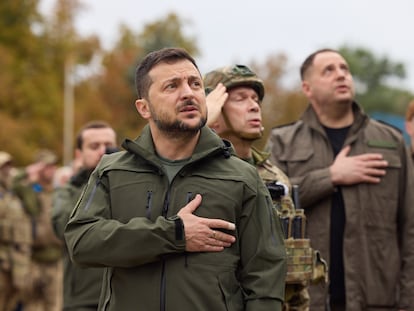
(81, 286)
(234, 102)
(34, 186)
(15, 241)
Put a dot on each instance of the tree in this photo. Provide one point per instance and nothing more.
(28, 95)
(280, 105)
(116, 84)
(373, 76)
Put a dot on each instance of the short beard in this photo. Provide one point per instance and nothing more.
(179, 128)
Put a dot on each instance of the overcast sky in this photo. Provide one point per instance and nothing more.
(230, 31)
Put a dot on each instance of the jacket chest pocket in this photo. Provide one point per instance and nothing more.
(390, 182)
(301, 160)
(135, 197)
(220, 199)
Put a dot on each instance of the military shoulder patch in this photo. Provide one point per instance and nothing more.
(382, 144)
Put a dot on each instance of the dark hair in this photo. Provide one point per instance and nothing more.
(96, 124)
(165, 55)
(309, 61)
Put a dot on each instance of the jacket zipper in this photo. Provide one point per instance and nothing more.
(188, 199)
(149, 204)
(95, 187)
(162, 289)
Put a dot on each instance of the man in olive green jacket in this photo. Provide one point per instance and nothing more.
(356, 186)
(177, 220)
(81, 287)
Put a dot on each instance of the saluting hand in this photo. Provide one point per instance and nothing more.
(215, 101)
(202, 234)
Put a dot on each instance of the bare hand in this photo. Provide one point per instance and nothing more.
(215, 101)
(363, 168)
(201, 233)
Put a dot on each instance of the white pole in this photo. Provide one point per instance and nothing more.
(68, 112)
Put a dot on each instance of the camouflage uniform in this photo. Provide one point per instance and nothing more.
(15, 244)
(304, 264)
(46, 279)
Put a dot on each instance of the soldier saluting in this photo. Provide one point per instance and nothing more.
(234, 106)
(15, 241)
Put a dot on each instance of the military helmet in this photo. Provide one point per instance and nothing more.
(234, 76)
(46, 156)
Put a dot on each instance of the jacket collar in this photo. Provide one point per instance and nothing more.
(209, 143)
(360, 119)
(259, 157)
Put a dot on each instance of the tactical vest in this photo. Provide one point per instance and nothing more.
(304, 264)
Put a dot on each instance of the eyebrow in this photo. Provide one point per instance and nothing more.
(176, 79)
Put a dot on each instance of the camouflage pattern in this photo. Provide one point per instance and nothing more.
(15, 249)
(304, 264)
(45, 292)
(234, 76)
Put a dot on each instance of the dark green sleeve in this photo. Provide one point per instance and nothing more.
(64, 200)
(263, 254)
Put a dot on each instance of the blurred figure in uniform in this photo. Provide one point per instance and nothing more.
(34, 186)
(15, 241)
(81, 286)
(234, 99)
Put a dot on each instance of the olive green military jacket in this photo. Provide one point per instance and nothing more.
(81, 287)
(379, 230)
(126, 221)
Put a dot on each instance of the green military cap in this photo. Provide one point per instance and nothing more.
(234, 76)
(46, 156)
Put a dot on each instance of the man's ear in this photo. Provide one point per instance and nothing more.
(143, 109)
(306, 88)
(78, 153)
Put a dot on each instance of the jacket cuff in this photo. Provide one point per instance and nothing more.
(179, 227)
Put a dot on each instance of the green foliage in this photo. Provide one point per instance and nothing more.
(34, 52)
(166, 33)
(372, 76)
(117, 82)
(17, 18)
(280, 104)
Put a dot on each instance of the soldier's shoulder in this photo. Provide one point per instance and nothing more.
(388, 125)
(387, 131)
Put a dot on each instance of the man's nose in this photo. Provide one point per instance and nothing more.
(254, 105)
(102, 149)
(187, 91)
